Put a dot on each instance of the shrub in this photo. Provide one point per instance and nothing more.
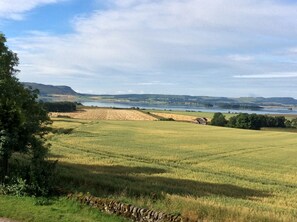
(218, 120)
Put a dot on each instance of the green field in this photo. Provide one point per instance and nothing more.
(209, 115)
(56, 209)
(189, 113)
(202, 172)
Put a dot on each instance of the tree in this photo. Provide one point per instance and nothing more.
(254, 121)
(23, 123)
(270, 121)
(294, 123)
(246, 121)
(280, 121)
(288, 124)
(243, 121)
(218, 120)
(60, 106)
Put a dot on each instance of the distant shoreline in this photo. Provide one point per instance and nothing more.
(265, 110)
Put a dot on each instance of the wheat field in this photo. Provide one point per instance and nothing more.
(205, 173)
(105, 114)
(177, 117)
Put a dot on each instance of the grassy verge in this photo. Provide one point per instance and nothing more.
(59, 209)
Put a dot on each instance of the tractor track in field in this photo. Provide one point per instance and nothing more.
(167, 164)
(227, 154)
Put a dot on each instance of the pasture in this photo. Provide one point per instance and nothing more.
(203, 172)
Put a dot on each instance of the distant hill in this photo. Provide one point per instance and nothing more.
(208, 101)
(274, 100)
(50, 92)
(46, 90)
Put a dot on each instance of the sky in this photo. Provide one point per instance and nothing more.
(230, 48)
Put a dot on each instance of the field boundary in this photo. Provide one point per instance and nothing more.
(125, 210)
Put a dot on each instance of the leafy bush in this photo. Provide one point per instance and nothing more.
(17, 187)
(218, 120)
(42, 177)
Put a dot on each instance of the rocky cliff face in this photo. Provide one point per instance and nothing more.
(50, 89)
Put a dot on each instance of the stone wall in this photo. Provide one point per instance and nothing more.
(125, 210)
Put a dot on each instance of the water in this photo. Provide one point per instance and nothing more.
(189, 108)
(103, 104)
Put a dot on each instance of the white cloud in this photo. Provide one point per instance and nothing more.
(292, 50)
(15, 9)
(240, 58)
(268, 75)
(154, 83)
(169, 38)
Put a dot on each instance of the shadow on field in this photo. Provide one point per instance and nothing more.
(143, 181)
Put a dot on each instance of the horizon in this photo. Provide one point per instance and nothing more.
(222, 48)
(156, 93)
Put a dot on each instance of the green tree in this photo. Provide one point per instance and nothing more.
(288, 124)
(280, 121)
(23, 124)
(242, 120)
(218, 120)
(294, 123)
(256, 121)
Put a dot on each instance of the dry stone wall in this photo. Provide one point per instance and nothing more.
(125, 210)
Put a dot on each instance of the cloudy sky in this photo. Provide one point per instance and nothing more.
(193, 47)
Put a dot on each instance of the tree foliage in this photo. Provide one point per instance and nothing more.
(23, 124)
(294, 123)
(255, 122)
(60, 106)
(252, 121)
(218, 120)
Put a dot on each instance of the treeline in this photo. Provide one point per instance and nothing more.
(252, 121)
(239, 106)
(60, 106)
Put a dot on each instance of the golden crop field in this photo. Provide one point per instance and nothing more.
(205, 173)
(106, 114)
(178, 117)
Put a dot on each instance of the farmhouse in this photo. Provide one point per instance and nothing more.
(201, 120)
